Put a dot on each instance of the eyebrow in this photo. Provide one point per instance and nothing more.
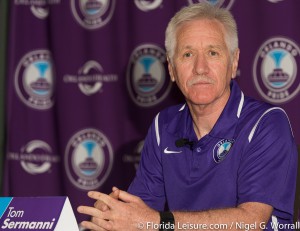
(219, 47)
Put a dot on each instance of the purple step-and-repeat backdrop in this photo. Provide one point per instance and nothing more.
(86, 78)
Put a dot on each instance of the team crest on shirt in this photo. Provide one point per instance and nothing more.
(93, 14)
(221, 149)
(220, 3)
(88, 159)
(275, 70)
(147, 81)
(34, 80)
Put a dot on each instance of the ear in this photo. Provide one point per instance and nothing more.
(235, 62)
(171, 69)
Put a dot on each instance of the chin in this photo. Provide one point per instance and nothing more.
(202, 101)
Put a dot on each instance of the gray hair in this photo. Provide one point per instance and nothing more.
(201, 11)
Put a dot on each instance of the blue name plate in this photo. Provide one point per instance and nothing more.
(37, 213)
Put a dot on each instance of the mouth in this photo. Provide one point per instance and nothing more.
(200, 81)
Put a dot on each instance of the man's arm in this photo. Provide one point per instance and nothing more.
(253, 215)
(131, 213)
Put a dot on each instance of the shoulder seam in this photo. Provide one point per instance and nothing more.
(251, 134)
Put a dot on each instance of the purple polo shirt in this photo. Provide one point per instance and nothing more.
(249, 156)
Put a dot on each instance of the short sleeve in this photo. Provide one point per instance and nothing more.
(148, 183)
(268, 168)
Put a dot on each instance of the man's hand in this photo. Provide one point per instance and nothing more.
(101, 205)
(118, 211)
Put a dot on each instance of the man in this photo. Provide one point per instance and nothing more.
(222, 160)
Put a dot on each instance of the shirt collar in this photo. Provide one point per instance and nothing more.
(226, 124)
(225, 127)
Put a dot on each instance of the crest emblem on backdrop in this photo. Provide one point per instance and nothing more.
(275, 1)
(34, 79)
(39, 9)
(275, 70)
(88, 159)
(220, 3)
(147, 80)
(39, 165)
(90, 78)
(93, 14)
(146, 5)
(134, 155)
(36, 157)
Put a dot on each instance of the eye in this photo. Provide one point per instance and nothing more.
(213, 53)
(187, 54)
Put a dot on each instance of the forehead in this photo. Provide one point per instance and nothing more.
(200, 30)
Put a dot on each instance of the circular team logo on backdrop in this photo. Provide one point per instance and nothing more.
(147, 81)
(88, 159)
(39, 8)
(39, 11)
(90, 78)
(220, 3)
(93, 14)
(34, 79)
(221, 149)
(275, 70)
(146, 5)
(35, 157)
(134, 155)
(275, 1)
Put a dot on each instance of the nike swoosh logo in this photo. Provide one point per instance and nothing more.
(166, 151)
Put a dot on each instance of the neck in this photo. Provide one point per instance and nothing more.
(205, 117)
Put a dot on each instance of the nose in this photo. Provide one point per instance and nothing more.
(200, 65)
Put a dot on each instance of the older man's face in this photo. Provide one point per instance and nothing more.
(201, 66)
